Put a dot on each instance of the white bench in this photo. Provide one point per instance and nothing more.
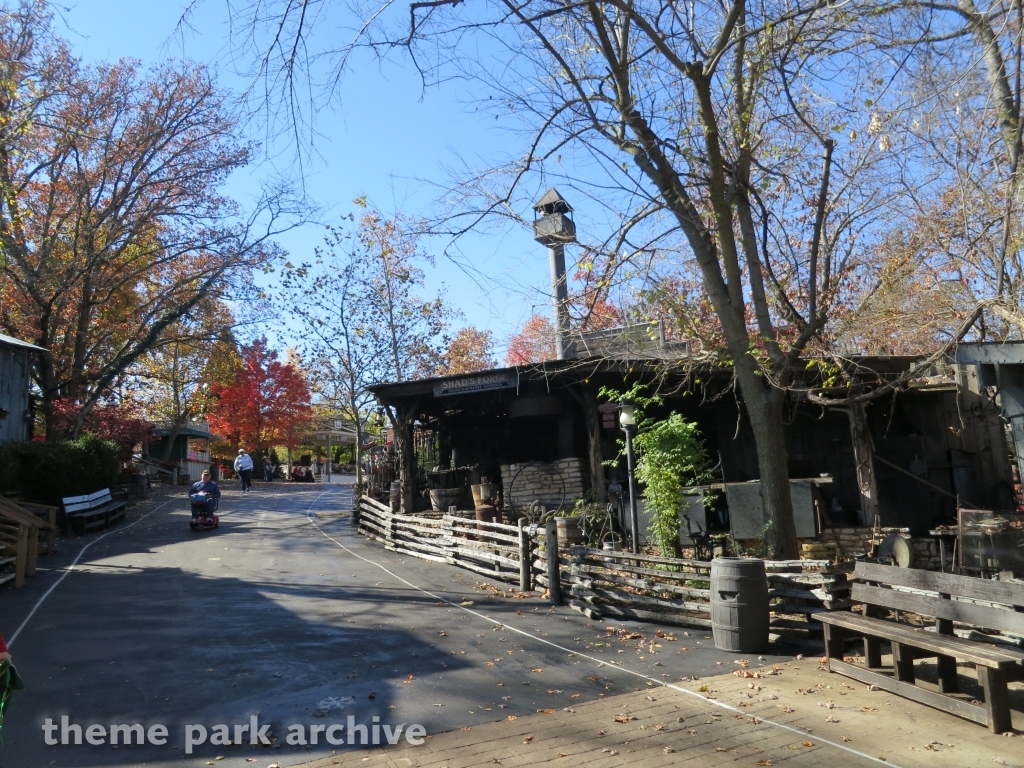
(96, 510)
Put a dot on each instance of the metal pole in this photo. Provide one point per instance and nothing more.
(634, 524)
(560, 298)
(328, 457)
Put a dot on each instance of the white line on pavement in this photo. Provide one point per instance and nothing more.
(68, 569)
(694, 694)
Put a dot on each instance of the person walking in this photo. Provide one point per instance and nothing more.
(243, 466)
(268, 469)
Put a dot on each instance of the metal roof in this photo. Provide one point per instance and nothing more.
(552, 202)
(10, 341)
(186, 432)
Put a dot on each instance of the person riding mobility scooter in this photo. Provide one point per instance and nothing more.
(205, 497)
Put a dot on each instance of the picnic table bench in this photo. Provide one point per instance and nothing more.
(945, 598)
(95, 510)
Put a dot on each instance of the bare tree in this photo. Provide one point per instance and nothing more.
(365, 323)
(712, 135)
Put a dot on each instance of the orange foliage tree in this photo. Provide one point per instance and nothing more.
(470, 350)
(113, 226)
(267, 401)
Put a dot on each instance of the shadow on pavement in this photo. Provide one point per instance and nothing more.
(165, 646)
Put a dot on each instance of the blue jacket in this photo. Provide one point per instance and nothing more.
(210, 488)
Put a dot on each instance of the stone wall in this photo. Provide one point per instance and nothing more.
(538, 481)
(925, 550)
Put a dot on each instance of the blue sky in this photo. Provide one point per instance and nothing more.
(387, 141)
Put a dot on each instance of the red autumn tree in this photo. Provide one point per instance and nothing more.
(534, 343)
(266, 402)
(116, 423)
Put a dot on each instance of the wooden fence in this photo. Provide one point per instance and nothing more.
(494, 550)
(597, 583)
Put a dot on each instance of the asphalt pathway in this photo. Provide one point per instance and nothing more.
(285, 614)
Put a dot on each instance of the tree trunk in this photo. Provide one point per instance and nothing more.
(864, 457)
(764, 409)
(593, 417)
(401, 421)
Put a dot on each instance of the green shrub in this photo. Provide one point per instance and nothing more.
(48, 472)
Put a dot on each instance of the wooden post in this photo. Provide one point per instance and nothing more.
(863, 455)
(593, 417)
(903, 662)
(21, 556)
(402, 424)
(447, 540)
(946, 664)
(554, 578)
(997, 704)
(525, 557)
(33, 551)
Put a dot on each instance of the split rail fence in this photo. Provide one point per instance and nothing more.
(598, 583)
(494, 550)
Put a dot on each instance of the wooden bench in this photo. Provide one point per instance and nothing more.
(945, 598)
(96, 510)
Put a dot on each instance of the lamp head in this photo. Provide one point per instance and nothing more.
(627, 414)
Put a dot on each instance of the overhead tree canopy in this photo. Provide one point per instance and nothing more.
(113, 223)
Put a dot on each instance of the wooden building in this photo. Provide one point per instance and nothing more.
(541, 433)
(187, 455)
(15, 381)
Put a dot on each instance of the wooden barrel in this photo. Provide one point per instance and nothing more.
(442, 498)
(739, 604)
(487, 513)
(569, 532)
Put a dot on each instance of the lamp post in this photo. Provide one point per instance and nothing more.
(554, 229)
(627, 420)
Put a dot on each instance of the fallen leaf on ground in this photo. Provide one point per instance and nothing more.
(527, 739)
(868, 709)
(764, 761)
(538, 670)
(443, 634)
(622, 717)
(806, 743)
(513, 717)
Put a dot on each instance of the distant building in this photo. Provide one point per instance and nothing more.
(187, 456)
(15, 378)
